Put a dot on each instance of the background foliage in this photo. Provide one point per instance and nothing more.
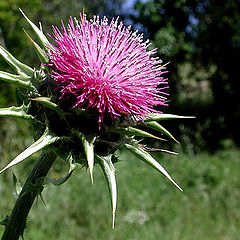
(201, 39)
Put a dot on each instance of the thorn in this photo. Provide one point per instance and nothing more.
(175, 140)
(113, 220)
(40, 27)
(175, 184)
(83, 16)
(91, 174)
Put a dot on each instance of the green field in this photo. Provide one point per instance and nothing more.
(149, 207)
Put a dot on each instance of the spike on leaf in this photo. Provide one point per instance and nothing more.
(89, 151)
(136, 132)
(42, 38)
(109, 172)
(156, 126)
(45, 140)
(163, 116)
(147, 158)
(17, 66)
(149, 149)
(40, 52)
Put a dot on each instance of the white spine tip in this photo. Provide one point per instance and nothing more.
(91, 176)
(113, 220)
(178, 186)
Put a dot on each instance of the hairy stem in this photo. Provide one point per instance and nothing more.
(17, 220)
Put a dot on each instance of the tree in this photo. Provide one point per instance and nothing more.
(205, 35)
(218, 43)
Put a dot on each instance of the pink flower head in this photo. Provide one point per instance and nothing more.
(107, 67)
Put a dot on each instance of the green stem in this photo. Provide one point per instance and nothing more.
(17, 220)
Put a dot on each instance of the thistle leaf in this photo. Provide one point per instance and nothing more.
(156, 126)
(20, 68)
(40, 52)
(19, 80)
(135, 131)
(163, 116)
(89, 151)
(16, 112)
(45, 140)
(45, 101)
(147, 158)
(43, 39)
(109, 172)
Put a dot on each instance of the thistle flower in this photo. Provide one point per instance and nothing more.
(107, 67)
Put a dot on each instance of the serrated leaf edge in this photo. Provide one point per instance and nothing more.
(17, 112)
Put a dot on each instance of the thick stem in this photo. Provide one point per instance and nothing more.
(17, 220)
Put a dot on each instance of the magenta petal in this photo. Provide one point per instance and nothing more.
(108, 67)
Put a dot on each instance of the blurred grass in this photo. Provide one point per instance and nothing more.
(149, 207)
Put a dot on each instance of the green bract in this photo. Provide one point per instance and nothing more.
(74, 134)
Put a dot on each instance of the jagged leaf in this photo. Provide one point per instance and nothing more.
(19, 67)
(43, 39)
(109, 172)
(45, 101)
(135, 131)
(16, 112)
(40, 52)
(156, 126)
(163, 116)
(19, 80)
(45, 140)
(147, 158)
(89, 151)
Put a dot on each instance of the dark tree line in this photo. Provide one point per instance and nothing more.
(206, 34)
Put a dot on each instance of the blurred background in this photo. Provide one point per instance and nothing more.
(201, 40)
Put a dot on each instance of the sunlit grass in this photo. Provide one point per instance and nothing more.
(149, 207)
